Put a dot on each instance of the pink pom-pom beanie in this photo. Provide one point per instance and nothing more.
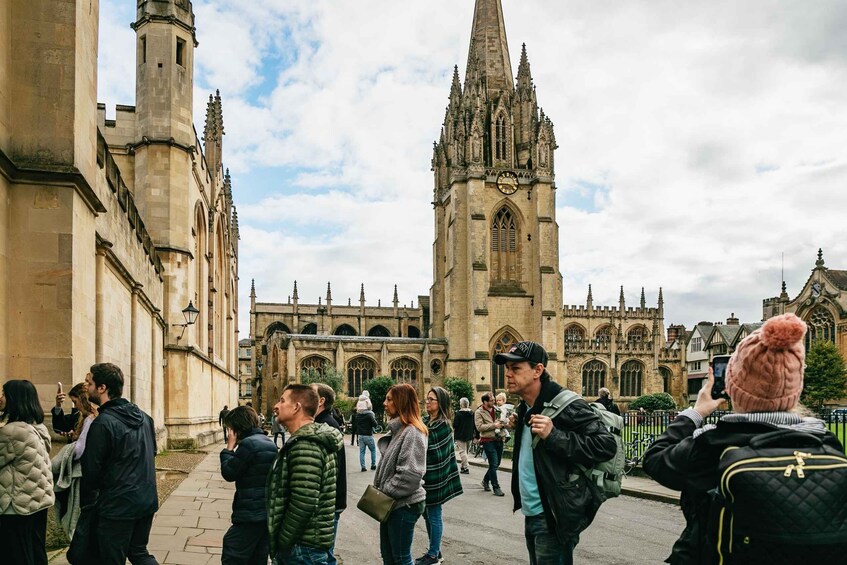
(765, 374)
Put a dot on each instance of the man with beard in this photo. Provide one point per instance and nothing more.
(118, 468)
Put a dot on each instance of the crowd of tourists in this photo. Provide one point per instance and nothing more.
(765, 484)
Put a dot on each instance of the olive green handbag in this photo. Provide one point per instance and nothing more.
(376, 504)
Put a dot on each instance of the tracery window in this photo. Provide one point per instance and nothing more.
(405, 371)
(603, 335)
(314, 364)
(310, 329)
(574, 334)
(821, 325)
(505, 267)
(359, 371)
(498, 372)
(638, 334)
(593, 378)
(631, 373)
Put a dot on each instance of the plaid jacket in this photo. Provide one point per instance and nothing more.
(441, 480)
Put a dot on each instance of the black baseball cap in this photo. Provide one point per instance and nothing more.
(523, 351)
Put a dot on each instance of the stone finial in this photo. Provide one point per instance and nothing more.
(295, 294)
(252, 288)
(395, 300)
(820, 262)
(621, 299)
(328, 292)
(349, 301)
(524, 73)
(643, 300)
(784, 294)
(362, 295)
(589, 302)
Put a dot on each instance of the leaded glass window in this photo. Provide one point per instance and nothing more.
(359, 371)
(574, 334)
(603, 335)
(821, 325)
(498, 372)
(593, 378)
(638, 334)
(631, 376)
(405, 370)
(313, 364)
(505, 267)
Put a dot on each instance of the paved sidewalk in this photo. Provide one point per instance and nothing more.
(189, 527)
(639, 487)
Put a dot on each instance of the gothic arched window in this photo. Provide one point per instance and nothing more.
(631, 373)
(359, 371)
(821, 325)
(345, 329)
(603, 335)
(636, 335)
(310, 329)
(498, 372)
(405, 371)
(314, 364)
(505, 266)
(414, 332)
(593, 378)
(379, 331)
(666, 378)
(574, 334)
(276, 327)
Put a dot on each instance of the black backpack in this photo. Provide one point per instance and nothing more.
(781, 499)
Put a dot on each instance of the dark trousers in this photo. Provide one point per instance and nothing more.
(395, 535)
(246, 544)
(22, 538)
(543, 545)
(120, 540)
(494, 453)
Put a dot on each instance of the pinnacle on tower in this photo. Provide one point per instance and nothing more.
(820, 262)
(524, 72)
(661, 298)
(784, 294)
(489, 46)
(621, 299)
(362, 294)
(643, 301)
(252, 288)
(349, 301)
(396, 301)
(295, 295)
(590, 300)
(328, 292)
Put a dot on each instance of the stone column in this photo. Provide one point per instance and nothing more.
(134, 354)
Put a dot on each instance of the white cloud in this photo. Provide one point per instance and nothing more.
(716, 132)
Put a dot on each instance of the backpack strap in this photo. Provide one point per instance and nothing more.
(556, 406)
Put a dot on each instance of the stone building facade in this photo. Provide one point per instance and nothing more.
(110, 228)
(821, 303)
(495, 260)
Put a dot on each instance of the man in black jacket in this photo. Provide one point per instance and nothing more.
(118, 467)
(326, 398)
(547, 485)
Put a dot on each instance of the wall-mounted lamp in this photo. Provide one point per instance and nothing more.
(190, 314)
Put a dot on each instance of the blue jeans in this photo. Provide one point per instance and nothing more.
(434, 528)
(301, 555)
(367, 442)
(494, 452)
(395, 535)
(543, 546)
(330, 555)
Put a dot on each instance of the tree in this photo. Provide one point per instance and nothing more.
(378, 388)
(458, 388)
(328, 376)
(652, 402)
(825, 377)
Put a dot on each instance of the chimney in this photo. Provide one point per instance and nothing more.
(732, 320)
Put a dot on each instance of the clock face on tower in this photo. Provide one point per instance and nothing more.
(507, 182)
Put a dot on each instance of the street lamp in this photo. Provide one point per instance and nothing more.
(190, 314)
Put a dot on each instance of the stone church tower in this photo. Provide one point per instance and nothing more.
(496, 250)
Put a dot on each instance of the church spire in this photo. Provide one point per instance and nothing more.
(489, 46)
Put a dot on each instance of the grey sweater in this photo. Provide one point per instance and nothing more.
(403, 464)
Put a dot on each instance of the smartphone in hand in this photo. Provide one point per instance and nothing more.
(719, 363)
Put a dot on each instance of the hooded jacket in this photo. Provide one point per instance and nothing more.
(341, 476)
(365, 423)
(248, 465)
(118, 463)
(26, 480)
(301, 489)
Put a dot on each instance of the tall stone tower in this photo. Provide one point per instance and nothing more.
(496, 251)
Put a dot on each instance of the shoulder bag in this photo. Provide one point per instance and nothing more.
(376, 504)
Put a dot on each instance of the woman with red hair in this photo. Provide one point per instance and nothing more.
(400, 473)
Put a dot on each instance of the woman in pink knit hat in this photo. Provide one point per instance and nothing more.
(764, 380)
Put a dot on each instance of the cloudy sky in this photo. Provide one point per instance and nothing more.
(699, 142)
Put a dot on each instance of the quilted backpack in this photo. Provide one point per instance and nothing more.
(781, 499)
(608, 474)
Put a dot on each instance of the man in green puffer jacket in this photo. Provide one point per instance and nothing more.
(301, 485)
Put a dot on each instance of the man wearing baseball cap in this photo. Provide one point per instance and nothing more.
(548, 487)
